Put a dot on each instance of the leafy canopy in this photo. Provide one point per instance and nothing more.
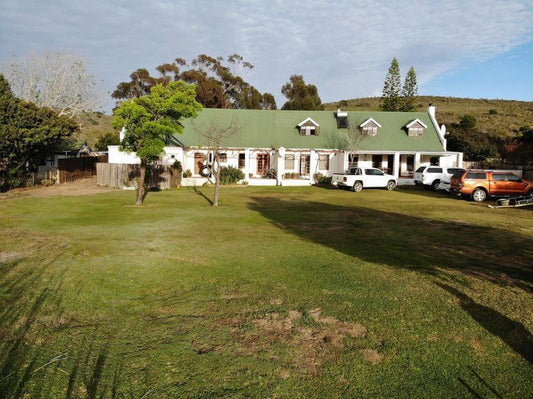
(301, 96)
(219, 82)
(28, 134)
(149, 120)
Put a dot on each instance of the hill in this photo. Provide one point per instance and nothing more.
(496, 117)
(93, 126)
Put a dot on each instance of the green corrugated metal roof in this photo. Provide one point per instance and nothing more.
(274, 129)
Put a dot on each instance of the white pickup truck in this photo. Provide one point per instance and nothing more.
(359, 178)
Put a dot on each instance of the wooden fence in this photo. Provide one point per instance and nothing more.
(125, 175)
(72, 169)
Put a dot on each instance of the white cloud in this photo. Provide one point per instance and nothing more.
(344, 47)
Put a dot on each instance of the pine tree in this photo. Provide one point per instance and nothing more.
(390, 99)
(409, 92)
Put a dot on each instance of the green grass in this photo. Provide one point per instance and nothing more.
(422, 295)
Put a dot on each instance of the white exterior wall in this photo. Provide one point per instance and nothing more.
(117, 156)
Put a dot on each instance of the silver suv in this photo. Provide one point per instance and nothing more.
(432, 176)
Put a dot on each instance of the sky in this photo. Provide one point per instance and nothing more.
(459, 48)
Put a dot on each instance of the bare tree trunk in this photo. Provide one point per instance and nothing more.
(141, 184)
(217, 178)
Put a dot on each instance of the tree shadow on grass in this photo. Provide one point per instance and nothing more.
(441, 249)
(30, 303)
(201, 194)
(511, 332)
(409, 242)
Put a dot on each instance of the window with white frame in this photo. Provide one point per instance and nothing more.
(323, 162)
(308, 130)
(242, 160)
(305, 164)
(416, 131)
(370, 130)
(289, 161)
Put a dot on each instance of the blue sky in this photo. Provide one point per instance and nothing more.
(478, 49)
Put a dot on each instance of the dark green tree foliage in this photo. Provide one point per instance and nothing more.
(28, 134)
(301, 96)
(409, 92)
(465, 137)
(390, 99)
(218, 82)
(109, 138)
(149, 120)
(519, 149)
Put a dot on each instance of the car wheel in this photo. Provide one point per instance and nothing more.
(479, 195)
(391, 185)
(357, 186)
(435, 185)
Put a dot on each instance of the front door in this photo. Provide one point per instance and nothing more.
(390, 164)
(377, 161)
(263, 164)
(198, 162)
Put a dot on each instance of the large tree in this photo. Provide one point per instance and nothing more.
(219, 82)
(28, 134)
(150, 119)
(390, 99)
(409, 92)
(54, 79)
(467, 138)
(301, 96)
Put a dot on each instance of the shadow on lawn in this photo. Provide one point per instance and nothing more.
(29, 317)
(442, 249)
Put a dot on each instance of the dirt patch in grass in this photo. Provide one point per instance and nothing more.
(79, 187)
(372, 356)
(306, 342)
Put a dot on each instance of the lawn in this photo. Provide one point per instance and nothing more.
(280, 292)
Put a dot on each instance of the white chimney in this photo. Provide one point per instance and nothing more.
(431, 110)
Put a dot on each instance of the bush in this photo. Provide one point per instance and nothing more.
(320, 179)
(187, 173)
(291, 175)
(493, 112)
(230, 175)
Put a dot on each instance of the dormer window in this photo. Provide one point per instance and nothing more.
(415, 128)
(309, 127)
(369, 127)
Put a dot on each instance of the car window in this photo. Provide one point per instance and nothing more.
(476, 175)
(420, 169)
(514, 178)
(434, 170)
(499, 176)
(453, 171)
(458, 174)
(357, 171)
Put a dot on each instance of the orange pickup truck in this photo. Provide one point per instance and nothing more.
(479, 184)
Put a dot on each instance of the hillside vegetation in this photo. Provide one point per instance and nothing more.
(496, 117)
(93, 125)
